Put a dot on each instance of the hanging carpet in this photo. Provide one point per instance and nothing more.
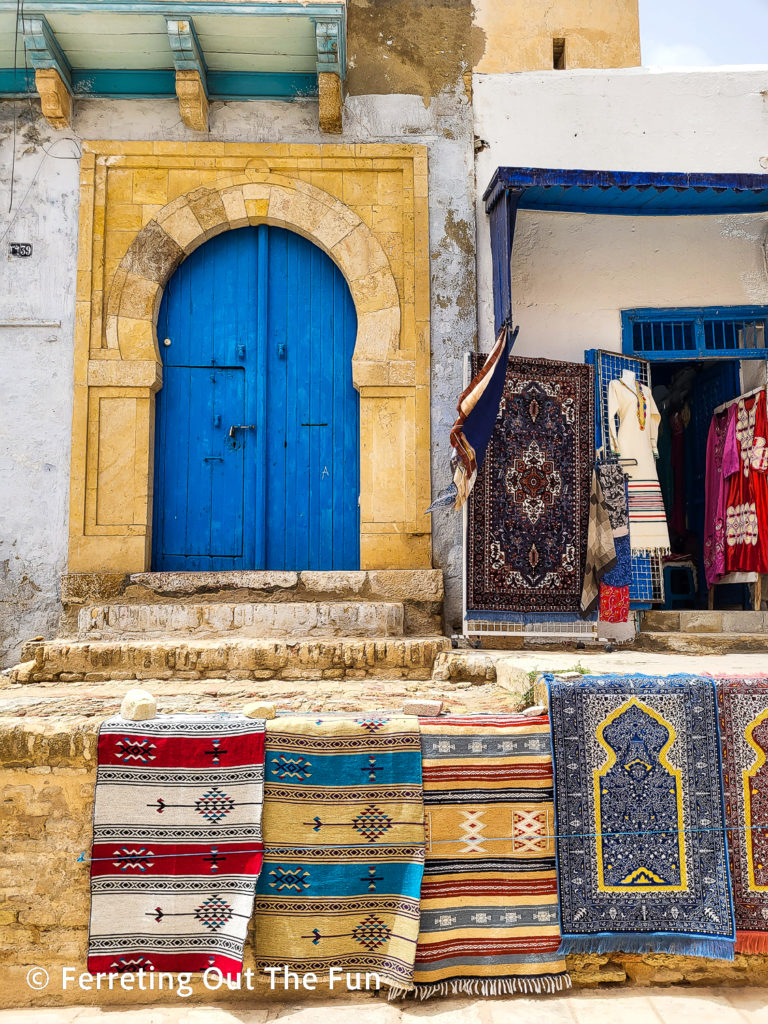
(176, 842)
(642, 862)
(528, 512)
(489, 895)
(743, 707)
(344, 848)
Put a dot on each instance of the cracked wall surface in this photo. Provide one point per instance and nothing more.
(35, 449)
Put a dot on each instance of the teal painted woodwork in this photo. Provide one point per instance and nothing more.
(257, 422)
(125, 48)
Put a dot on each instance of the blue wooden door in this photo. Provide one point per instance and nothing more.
(257, 422)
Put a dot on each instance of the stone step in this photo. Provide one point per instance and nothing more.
(701, 643)
(420, 591)
(241, 658)
(704, 622)
(220, 619)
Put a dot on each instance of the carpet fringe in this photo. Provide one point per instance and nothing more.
(752, 942)
(650, 942)
(397, 992)
(544, 983)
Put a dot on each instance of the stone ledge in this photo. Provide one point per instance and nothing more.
(220, 619)
(166, 658)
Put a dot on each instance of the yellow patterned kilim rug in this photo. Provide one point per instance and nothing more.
(489, 921)
(343, 833)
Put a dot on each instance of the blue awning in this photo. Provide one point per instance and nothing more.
(628, 193)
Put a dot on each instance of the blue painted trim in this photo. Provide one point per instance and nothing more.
(330, 38)
(696, 315)
(630, 193)
(243, 85)
(185, 48)
(43, 51)
(19, 82)
(118, 84)
(121, 84)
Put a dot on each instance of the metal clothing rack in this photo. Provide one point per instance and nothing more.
(738, 398)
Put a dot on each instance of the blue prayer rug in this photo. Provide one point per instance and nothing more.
(642, 859)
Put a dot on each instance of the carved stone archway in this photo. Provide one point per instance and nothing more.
(184, 224)
(119, 365)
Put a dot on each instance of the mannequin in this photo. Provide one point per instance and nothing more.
(631, 403)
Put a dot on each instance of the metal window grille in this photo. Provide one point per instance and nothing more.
(647, 585)
(692, 333)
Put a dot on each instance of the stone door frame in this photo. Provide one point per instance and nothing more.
(135, 230)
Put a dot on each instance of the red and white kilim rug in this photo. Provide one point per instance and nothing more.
(177, 846)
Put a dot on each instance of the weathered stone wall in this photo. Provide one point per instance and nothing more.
(518, 34)
(47, 774)
(37, 390)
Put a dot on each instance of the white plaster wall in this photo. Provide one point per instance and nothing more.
(573, 273)
(36, 362)
(36, 394)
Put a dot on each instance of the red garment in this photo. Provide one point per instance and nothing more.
(746, 517)
(614, 603)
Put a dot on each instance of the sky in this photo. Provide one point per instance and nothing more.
(703, 32)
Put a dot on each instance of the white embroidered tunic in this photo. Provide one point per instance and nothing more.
(636, 438)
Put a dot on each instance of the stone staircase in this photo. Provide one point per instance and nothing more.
(242, 625)
(703, 632)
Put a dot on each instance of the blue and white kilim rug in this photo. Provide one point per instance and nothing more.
(642, 860)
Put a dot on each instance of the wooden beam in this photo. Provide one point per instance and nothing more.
(191, 73)
(53, 75)
(329, 38)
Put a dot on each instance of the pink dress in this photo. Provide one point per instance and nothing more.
(722, 463)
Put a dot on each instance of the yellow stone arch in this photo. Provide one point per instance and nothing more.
(122, 272)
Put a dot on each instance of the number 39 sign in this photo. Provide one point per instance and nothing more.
(19, 249)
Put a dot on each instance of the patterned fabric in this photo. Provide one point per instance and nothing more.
(614, 603)
(636, 441)
(743, 707)
(489, 895)
(601, 549)
(529, 511)
(621, 574)
(746, 516)
(478, 407)
(647, 517)
(344, 841)
(613, 481)
(722, 463)
(642, 862)
(176, 842)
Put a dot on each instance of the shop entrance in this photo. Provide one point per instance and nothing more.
(697, 362)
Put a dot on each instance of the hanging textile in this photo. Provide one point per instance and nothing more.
(613, 483)
(489, 896)
(614, 603)
(615, 581)
(746, 515)
(528, 513)
(722, 463)
(677, 518)
(601, 550)
(176, 842)
(478, 407)
(642, 862)
(636, 440)
(344, 848)
(743, 707)
(621, 574)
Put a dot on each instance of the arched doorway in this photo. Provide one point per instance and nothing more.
(257, 422)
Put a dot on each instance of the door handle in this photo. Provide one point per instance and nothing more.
(241, 426)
